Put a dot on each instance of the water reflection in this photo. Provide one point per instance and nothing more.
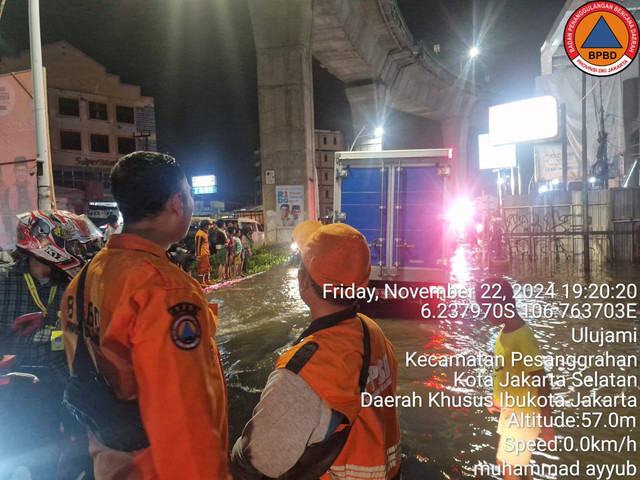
(260, 317)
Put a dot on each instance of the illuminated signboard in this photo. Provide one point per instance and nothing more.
(204, 184)
(523, 121)
(503, 156)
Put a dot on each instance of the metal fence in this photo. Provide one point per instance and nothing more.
(548, 228)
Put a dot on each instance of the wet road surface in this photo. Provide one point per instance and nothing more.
(260, 317)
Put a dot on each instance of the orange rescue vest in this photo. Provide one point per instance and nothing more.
(329, 358)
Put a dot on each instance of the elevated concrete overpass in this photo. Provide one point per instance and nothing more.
(366, 45)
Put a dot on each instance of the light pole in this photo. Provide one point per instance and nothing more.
(474, 52)
(378, 132)
(45, 197)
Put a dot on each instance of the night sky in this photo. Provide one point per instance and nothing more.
(197, 59)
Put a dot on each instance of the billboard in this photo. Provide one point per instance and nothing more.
(204, 184)
(18, 188)
(523, 121)
(494, 157)
(548, 160)
(289, 205)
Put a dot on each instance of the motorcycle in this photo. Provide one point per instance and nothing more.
(31, 449)
(295, 258)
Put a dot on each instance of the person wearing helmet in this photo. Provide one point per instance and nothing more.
(311, 421)
(50, 250)
(151, 334)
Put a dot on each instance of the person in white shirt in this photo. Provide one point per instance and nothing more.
(113, 226)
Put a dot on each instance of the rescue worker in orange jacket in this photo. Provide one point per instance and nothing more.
(202, 252)
(149, 328)
(310, 422)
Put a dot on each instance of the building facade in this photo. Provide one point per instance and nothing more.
(94, 119)
(327, 142)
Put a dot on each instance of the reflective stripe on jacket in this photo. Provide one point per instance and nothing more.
(372, 450)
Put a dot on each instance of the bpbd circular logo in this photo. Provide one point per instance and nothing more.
(601, 38)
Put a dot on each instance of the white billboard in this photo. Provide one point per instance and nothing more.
(548, 160)
(493, 157)
(523, 121)
(204, 184)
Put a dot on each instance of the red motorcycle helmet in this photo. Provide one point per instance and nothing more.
(59, 238)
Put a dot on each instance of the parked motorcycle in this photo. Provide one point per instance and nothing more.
(296, 255)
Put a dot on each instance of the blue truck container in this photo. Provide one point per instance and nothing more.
(397, 199)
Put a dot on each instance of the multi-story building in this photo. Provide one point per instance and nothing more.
(327, 142)
(94, 119)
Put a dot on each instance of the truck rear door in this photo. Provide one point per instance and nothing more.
(397, 200)
(363, 200)
(418, 229)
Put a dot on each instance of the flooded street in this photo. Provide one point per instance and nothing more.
(261, 316)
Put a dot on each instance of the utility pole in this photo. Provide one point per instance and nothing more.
(585, 181)
(45, 198)
(563, 134)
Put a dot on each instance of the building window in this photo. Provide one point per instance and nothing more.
(324, 140)
(326, 194)
(99, 143)
(325, 158)
(326, 175)
(69, 107)
(335, 141)
(98, 111)
(125, 115)
(126, 145)
(70, 140)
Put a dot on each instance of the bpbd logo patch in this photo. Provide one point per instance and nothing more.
(601, 38)
(185, 328)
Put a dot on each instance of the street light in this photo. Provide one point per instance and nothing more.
(374, 140)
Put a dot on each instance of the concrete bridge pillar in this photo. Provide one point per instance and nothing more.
(455, 133)
(368, 111)
(282, 33)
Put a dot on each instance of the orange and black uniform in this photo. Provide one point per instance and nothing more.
(329, 358)
(152, 335)
(202, 252)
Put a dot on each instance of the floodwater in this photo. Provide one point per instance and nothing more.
(261, 316)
